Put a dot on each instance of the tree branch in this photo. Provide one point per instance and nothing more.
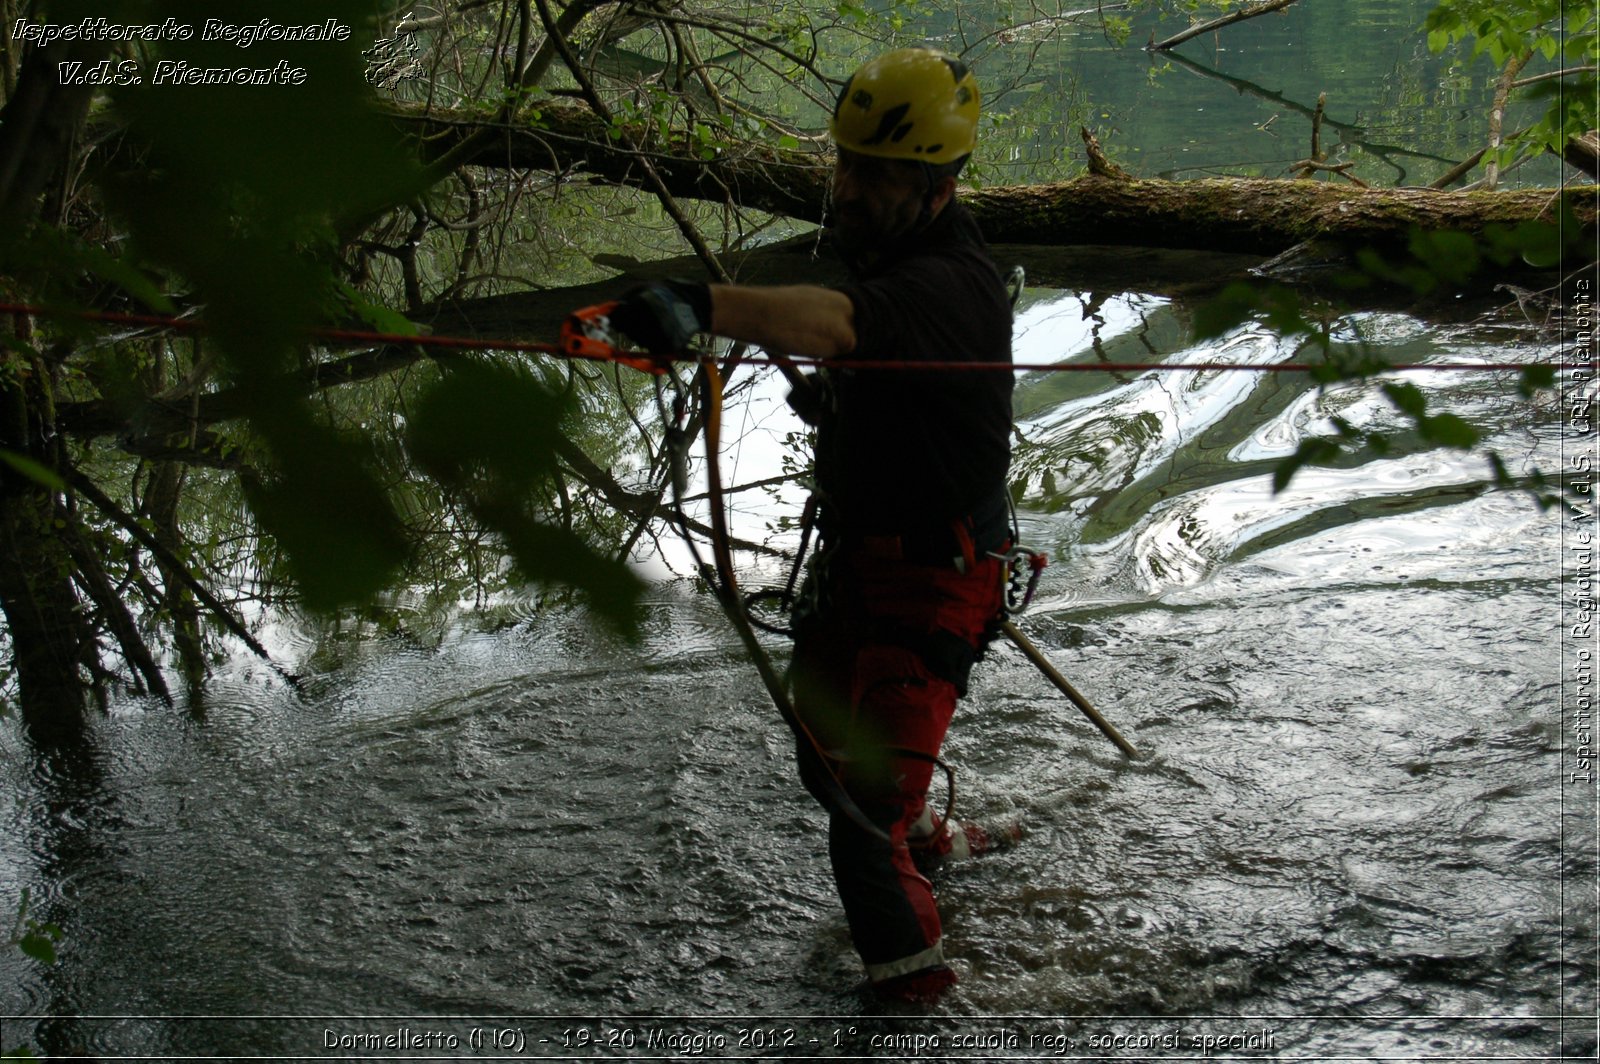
(653, 178)
(91, 576)
(1263, 8)
(37, 126)
(1497, 114)
(130, 524)
(1551, 75)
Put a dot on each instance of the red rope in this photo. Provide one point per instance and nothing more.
(1191, 367)
(471, 344)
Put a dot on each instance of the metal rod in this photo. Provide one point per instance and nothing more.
(1035, 655)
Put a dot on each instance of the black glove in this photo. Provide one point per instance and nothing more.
(663, 316)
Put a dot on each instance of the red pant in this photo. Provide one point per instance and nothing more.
(875, 683)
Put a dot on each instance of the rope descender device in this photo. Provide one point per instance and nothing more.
(589, 333)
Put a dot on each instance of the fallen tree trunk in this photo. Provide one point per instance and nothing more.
(537, 315)
(1258, 215)
(1254, 216)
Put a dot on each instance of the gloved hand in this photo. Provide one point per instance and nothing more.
(663, 316)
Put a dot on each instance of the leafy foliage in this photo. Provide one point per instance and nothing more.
(37, 940)
(488, 433)
(1563, 32)
(241, 205)
(243, 197)
(1434, 260)
(270, 214)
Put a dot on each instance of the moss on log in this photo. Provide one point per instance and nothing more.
(1261, 216)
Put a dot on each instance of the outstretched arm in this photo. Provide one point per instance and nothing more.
(785, 319)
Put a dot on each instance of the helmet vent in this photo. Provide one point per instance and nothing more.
(890, 127)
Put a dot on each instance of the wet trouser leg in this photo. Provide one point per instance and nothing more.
(870, 704)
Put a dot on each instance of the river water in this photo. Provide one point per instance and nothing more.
(1344, 838)
(1354, 831)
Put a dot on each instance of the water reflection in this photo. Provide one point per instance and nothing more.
(1348, 821)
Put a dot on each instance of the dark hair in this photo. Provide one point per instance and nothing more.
(953, 168)
(931, 172)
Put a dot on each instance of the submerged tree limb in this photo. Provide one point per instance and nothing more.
(161, 421)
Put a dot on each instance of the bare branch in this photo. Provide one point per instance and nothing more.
(130, 524)
(1551, 75)
(1262, 8)
(1497, 114)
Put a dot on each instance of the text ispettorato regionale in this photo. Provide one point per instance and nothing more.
(242, 34)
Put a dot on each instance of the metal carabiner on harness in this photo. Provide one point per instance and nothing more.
(1023, 567)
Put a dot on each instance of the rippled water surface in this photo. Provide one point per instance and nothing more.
(1344, 838)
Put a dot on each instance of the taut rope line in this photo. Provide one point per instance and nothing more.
(642, 360)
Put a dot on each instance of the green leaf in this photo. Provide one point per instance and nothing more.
(1540, 245)
(1502, 475)
(34, 471)
(553, 555)
(1535, 379)
(325, 507)
(1310, 452)
(1447, 255)
(40, 943)
(489, 421)
(1228, 309)
(69, 247)
(378, 318)
(1449, 430)
(1407, 397)
(492, 433)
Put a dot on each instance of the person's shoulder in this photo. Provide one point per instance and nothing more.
(953, 241)
(965, 224)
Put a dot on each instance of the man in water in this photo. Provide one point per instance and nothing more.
(910, 470)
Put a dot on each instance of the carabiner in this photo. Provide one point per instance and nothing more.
(1023, 568)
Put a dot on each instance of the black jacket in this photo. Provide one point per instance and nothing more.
(909, 449)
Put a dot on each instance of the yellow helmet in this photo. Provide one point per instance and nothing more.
(918, 104)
